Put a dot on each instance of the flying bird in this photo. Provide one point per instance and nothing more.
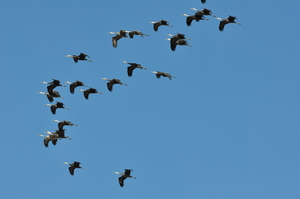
(74, 85)
(132, 67)
(112, 82)
(228, 20)
(205, 11)
(63, 123)
(55, 83)
(174, 40)
(159, 74)
(82, 57)
(51, 137)
(50, 97)
(160, 23)
(190, 18)
(73, 166)
(118, 36)
(87, 92)
(53, 107)
(124, 175)
(135, 32)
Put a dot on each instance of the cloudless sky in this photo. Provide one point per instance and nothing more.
(227, 127)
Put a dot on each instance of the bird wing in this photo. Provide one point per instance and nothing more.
(50, 98)
(53, 109)
(46, 141)
(222, 25)
(131, 34)
(155, 26)
(115, 40)
(71, 169)
(54, 141)
(189, 20)
(203, 1)
(173, 43)
(110, 86)
(130, 70)
(121, 181)
(158, 75)
(72, 87)
(75, 58)
(61, 125)
(86, 94)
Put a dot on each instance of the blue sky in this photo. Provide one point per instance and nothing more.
(227, 127)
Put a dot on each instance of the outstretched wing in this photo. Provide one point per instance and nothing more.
(130, 70)
(222, 25)
(189, 20)
(121, 181)
(110, 86)
(72, 87)
(46, 141)
(53, 109)
(155, 26)
(86, 94)
(71, 169)
(131, 34)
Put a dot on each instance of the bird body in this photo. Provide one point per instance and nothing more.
(112, 82)
(159, 74)
(118, 36)
(160, 23)
(81, 57)
(53, 107)
(87, 92)
(73, 166)
(51, 96)
(51, 137)
(74, 85)
(228, 20)
(124, 175)
(135, 32)
(61, 124)
(132, 67)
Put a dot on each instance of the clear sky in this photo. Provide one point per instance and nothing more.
(227, 127)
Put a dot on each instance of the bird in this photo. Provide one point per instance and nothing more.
(159, 74)
(51, 137)
(55, 83)
(203, 1)
(135, 32)
(112, 82)
(180, 42)
(63, 123)
(73, 85)
(61, 134)
(87, 92)
(124, 175)
(228, 20)
(205, 11)
(73, 166)
(132, 67)
(50, 97)
(53, 107)
(190, 18)
(82, 57)
(159, 23)
(118, 36)
(174, 39)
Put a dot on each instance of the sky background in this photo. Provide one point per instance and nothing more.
(227, 127)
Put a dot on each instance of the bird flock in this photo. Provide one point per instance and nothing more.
(175, 40)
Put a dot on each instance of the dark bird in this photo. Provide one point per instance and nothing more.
(203, 1)
(82, 57)
(205, 11)
(50, 97)
(228, 20)
(112, 82)
(61, 124)
(118, 36)
(132, 67)
(124, 175)
(74, 166)
(55, 83)
(174, 39)
(74, 85)
(53, 107)
(87, 92)
(190, 18)
(61, 134)
(135, 32)
(160, 23)
(159, 74)
(51, 137)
